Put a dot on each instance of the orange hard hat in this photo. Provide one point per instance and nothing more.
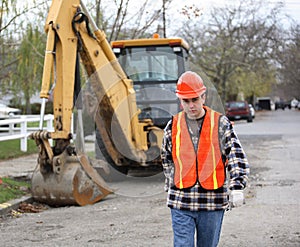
(190, 85)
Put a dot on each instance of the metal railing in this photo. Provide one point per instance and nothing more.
(16, 128)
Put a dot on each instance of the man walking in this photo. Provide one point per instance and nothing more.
(199, 148)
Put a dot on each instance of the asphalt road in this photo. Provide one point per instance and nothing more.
(271, 216)
(137, 215)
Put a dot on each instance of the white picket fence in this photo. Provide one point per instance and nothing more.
(9, 131)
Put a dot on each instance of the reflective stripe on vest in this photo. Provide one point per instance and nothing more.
(207, 165)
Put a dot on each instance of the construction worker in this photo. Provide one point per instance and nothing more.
(199, 147)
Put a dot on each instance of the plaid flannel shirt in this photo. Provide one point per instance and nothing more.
(197, 198)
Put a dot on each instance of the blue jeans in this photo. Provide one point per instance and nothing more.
(206, 223)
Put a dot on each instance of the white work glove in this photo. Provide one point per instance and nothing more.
(236, 198)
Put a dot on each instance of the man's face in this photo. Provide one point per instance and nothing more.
(194, 107)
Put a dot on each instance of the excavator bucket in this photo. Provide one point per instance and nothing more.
(73, 181)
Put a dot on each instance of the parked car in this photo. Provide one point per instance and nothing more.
(6, 111)
(252, 110)
(238, 110)
(294, 103)
(281, 104)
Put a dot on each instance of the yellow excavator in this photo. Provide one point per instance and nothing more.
(129, 95)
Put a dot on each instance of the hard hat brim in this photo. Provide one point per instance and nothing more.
(190, 94)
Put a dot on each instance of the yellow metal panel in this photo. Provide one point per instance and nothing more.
(150, 42)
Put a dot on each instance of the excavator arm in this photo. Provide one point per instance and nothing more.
(64, 174)
(116, 117)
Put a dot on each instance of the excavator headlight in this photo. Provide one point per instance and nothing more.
(177, 49)
(117, 50)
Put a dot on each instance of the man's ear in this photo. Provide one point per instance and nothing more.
(180, 104)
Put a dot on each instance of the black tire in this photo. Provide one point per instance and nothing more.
(101, 153)
(250, 119)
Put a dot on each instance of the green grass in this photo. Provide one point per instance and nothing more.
(11, 149)
(11, 189)
(31, 124)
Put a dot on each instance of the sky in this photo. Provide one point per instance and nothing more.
(292, 7)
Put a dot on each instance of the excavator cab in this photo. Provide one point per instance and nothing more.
(154, 65)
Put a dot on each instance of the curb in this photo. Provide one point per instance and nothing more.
(6, 207)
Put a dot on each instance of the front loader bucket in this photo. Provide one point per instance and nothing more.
(76, 182)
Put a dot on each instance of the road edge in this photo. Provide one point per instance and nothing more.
(6, 207)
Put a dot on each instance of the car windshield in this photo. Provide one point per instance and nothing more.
(237, 104)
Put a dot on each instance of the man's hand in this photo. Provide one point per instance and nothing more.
(236, 198)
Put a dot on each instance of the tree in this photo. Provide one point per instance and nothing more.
(8, 15)
(115, 19)
(236, 41)
(27, 76)
(235, 44)
(13, 17)
(289, 59)
(20, 53)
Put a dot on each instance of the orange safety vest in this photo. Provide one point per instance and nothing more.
(205, 166)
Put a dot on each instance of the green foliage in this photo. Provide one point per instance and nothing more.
(36, 108)
(236, 48)
(29, 69)
(11, 189)
(11, 149)
(249, 83)
(289, 59)
(225, 45)
(11, 20)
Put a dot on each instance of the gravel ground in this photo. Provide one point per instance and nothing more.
(137, 214)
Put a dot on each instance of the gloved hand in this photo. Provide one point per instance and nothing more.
(236, 198)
